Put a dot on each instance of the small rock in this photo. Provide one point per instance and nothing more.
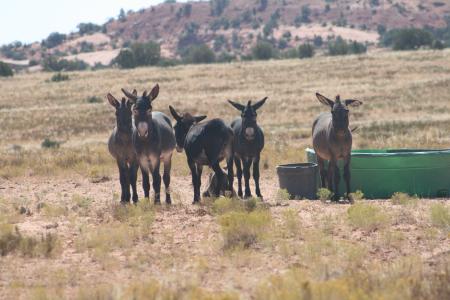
(22, 210)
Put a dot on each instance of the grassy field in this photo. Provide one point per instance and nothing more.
(62, 233)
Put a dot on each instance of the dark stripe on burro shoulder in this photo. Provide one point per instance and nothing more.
(153, 141)
(206, 144)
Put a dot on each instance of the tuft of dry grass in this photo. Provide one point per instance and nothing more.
(241, 230)
(440, 216)
(367, 217)
(11, 240)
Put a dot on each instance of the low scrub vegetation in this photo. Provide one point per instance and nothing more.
(403, 199)
(416, 284)
(5, 70)
(367, 217)
(242, 229)
(12, 241)
(59, 77)
(440, 216)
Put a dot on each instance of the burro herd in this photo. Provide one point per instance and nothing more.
(144, 139)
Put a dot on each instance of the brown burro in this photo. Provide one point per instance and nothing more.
(332, 140)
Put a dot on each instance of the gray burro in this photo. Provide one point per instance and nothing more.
(153, 141)
(332, 140)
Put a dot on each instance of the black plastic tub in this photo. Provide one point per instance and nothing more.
(300, 180)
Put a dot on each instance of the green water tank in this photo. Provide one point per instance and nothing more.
(380, 173)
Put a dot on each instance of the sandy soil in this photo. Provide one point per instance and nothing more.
(185, 243)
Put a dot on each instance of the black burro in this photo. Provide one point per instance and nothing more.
(121, 148)
(248, 144)
(153, 142)
(332, 140)
(206, 144)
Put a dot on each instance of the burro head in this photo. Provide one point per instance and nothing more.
(339, 109)
(142, 110)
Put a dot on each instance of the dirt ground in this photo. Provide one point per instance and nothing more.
(184, 246)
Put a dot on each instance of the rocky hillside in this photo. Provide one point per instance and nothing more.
(233, 26)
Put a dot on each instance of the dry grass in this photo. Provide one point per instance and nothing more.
(73, 241)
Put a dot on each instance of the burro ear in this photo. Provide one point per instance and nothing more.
(113, 101)
(131, 96)
(199, 118)
(324, 100)
(238, 106)
(174, 113)
(352, 103)
(260, 103)
(154, 93)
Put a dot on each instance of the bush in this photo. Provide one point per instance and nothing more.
(263, 51)
(52, 63)
(324, 194)
(341, 47)
(200, 55)
(407, 38)
(218, 6)
(88, 28)
(338, 47)
(403, 199)
(5, 70)
(305, 51)
(367, 217)
(94, 99)
(242, 230)
(11, 240)
(86, 47)
(48, 143)
(125, 59)
(59, 77)
(147, 54)
(53, 40)
(440, 216)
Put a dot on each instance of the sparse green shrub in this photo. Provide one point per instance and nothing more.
(282, 195)
(48, 143)
(55, 64)
(357, 196)
(291, 221)
(11, 240)
(324, 194)
(59, 77)
(5, 70)
(86, 47)
(54, 39)
(440, 216)
(403, 199)
(125, 59)
(94, 99)
(146, 54)
(340, 47)
(305, 51)
(407, 38)
(367, 217)
(88, 28)
(224, 205)
(263, 51)
(218, 6)
(201, 54)
(242, 230)
(53, 210)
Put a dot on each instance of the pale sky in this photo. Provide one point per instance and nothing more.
(33, 20)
